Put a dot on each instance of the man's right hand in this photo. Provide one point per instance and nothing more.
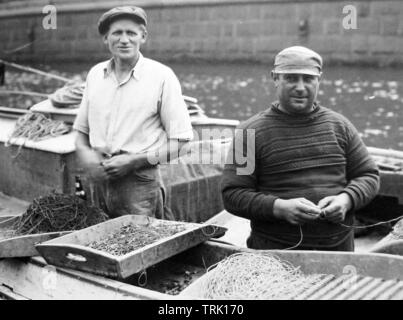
(91, 162)
(296, 211)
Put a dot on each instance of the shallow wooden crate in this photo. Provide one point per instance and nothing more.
(72, 250)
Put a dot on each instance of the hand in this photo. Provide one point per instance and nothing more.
(118, 166)
(91, 161)
(296, 211)
(335, 208)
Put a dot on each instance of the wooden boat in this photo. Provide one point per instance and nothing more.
(179, 277)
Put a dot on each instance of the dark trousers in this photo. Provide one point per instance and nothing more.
(140, 193)
(258, 242)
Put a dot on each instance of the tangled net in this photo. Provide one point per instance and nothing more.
(254, 276)
(35, 126)
(132, 237)
(57, 212)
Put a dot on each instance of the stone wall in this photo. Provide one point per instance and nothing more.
(211, 30)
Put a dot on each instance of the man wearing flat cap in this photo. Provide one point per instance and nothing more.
(312, 170)
(132, 117)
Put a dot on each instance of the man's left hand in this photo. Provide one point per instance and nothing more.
(118, 166)
(336, 207)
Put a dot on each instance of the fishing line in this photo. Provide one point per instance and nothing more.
(370, 225)
(347, 226)
(300, 239)
(247, 275)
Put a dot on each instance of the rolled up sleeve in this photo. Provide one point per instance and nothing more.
(174, 114)
(81, 121)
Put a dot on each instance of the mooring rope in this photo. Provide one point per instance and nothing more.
(35, 126)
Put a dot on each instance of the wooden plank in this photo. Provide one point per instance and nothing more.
(340, 290)
(311, 290)
(24, 246)
(26, 176)
(35, 279)
(390, 292)
(8, 294)
(327, 288)
(381, 288)
(67, 115)
(367, 288)
(81, 258)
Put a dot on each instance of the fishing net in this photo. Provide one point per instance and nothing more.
(132, 237)
(254, 276)
(57, 212)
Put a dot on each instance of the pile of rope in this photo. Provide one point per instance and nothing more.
(57, 212)
(69, 96)
(35, 126)
(254, 276)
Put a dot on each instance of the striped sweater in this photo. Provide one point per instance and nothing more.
(312, 156)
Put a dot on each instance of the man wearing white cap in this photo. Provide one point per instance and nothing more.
(312, 170)
(131, 118)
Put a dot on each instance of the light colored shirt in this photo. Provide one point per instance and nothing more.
(137, 115)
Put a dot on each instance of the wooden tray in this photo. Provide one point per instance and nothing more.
(72, 250)
(22, 246)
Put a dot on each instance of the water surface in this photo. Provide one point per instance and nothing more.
(372, 98)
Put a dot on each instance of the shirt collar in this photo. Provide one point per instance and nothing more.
(135, 72)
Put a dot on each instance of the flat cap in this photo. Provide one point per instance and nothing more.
(135, 13)
(298, 59)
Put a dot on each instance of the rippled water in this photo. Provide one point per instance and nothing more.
(371, 98)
